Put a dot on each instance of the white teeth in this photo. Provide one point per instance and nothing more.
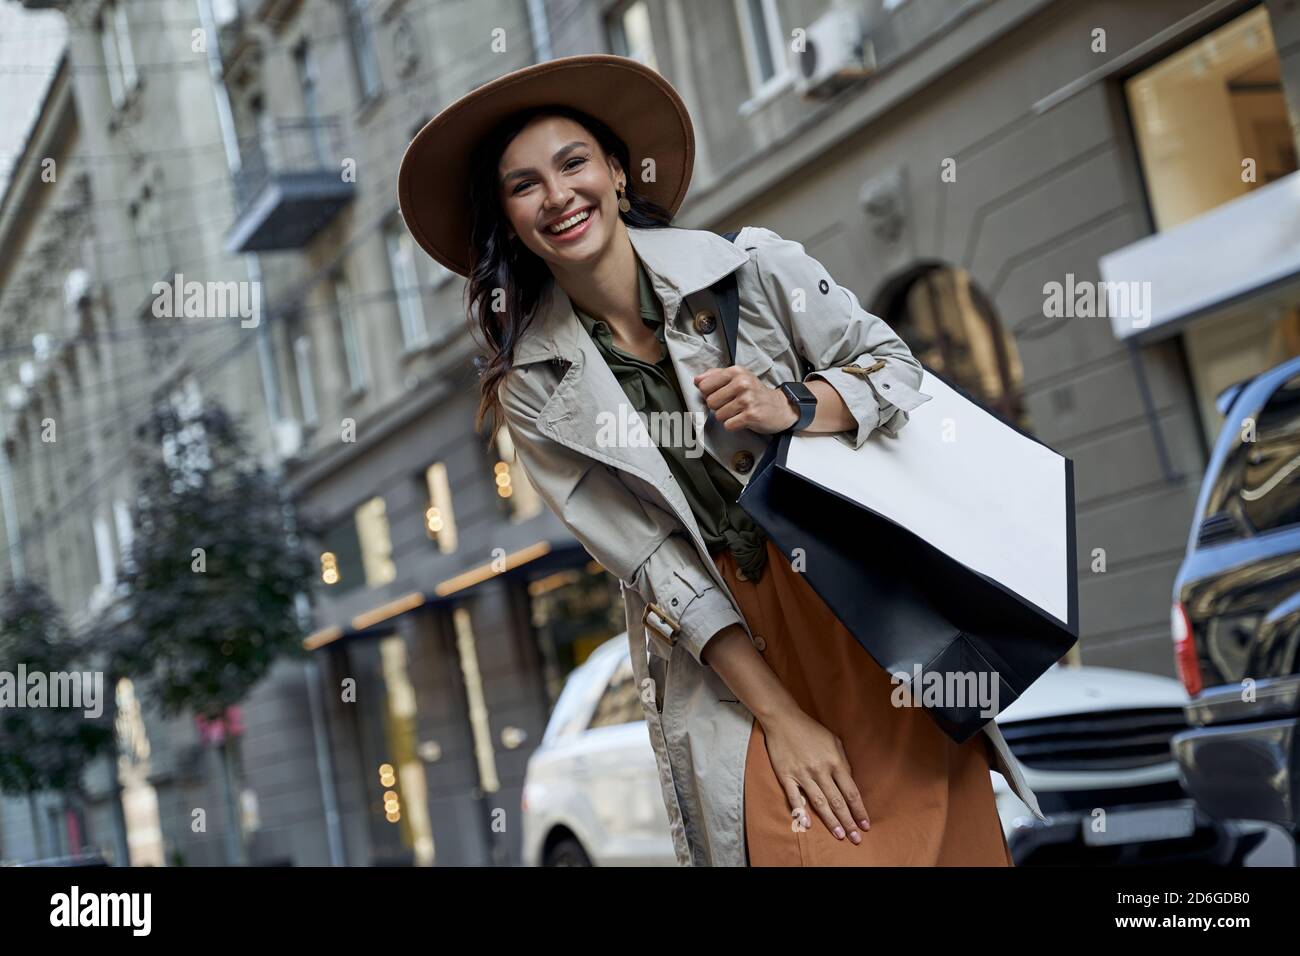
(571, 221)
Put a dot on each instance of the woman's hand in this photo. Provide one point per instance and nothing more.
(740, 400)
(808, 757)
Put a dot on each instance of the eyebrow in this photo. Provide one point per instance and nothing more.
(559, 155)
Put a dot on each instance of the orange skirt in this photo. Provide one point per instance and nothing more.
(930, 800)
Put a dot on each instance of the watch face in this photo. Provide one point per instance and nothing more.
(800, 392)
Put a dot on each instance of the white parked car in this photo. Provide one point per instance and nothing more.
(1094, 743)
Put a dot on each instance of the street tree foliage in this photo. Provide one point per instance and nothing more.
(44, 747)
(214, 567)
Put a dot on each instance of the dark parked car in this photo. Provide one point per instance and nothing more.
(1236, 611)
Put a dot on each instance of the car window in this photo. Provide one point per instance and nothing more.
(1258, 487)
(619, 704)
(1269, 491)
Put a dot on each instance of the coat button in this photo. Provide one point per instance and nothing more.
(742, 461)
(759, 643)
(705, 322)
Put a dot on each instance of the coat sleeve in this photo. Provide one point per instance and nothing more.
(643, 545)
(861, 357)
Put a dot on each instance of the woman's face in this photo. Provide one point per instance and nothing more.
(552, 170)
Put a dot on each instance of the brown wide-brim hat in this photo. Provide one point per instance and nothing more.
(433, 183)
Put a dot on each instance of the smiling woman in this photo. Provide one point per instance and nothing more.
(773, 731)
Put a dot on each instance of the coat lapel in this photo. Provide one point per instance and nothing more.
(679, 262)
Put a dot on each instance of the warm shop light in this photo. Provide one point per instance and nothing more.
(484, 571)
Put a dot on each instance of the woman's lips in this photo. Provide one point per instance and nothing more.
(576, 232)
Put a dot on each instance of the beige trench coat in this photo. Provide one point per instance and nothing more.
(621, 502)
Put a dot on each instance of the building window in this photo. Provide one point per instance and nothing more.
(353, 356)
(302, 363)
(376, 544)
(104, 556)
(764, 45)
(439, 519)
(951, 327)
(513, 487)
(119, 59)
(406, 285)
(125, 529)
(309, 88)
(340, 556)
(361, 36)
(628, 29)
(1203, 115)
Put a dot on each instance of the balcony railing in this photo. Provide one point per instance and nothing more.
(289, 187)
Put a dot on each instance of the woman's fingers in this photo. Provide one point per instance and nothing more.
(798, 806)
(844, 778)
(841, 822)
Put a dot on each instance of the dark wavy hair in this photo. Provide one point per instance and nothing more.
(524, 277)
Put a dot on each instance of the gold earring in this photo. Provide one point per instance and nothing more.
(623, 204)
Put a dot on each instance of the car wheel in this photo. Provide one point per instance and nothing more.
(567, 852)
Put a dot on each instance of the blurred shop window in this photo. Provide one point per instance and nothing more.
(1201, 112)
(384, 723)
(628, 29)
(376, 544)
(144, 836)
(620, 703)
(763, 41)
(340, 556)
(406, 284)
(361, 36)
(513, 487)
(573, 611)
(439, 519)
(952, 327)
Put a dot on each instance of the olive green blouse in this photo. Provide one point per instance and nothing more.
(710, 489)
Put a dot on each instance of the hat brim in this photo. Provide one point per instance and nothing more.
(433, 181)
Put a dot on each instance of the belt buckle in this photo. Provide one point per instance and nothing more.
(663, 627)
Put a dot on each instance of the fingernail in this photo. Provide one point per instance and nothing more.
(866, 824)
(839, 833)
(855, 837)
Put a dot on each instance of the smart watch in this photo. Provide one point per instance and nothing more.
(802, 398)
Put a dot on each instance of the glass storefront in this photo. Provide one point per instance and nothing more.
(574, 611)
(1212, 126)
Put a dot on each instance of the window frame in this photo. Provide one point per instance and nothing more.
(408, 293)
(762, 88)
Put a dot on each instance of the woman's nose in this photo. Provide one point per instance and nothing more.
(557, 196)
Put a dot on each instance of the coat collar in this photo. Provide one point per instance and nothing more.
(679, 261)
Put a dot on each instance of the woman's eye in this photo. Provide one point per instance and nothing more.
(566, 167)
